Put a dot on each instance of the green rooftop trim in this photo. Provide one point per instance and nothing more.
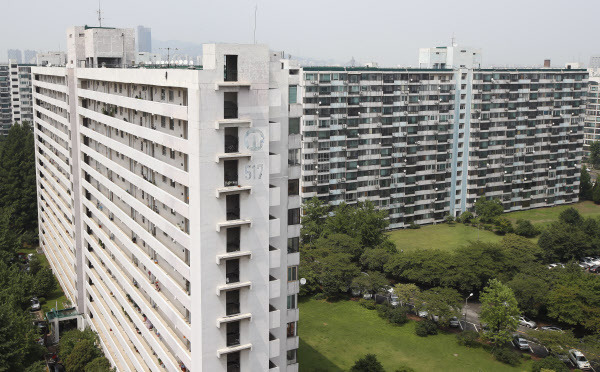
(86, 27)
(64, 313)
(540, 69)
(374, 69)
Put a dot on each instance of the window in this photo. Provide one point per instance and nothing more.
(293, 245)
(294, 216)
(294, 157)
(292, 273)
(291, 356)
(293, 187)
(291, 301)
(292, 329)
(293, 94)
(294, 126)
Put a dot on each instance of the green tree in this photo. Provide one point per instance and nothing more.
(531, 293)
(570, 216)
(99, 364)
(340, 243)
(563, 242)
(315, 213)
(525, 228)
(487, 210)
(499, 311)
(371, 282)
(585, 185)
(503, 225)
(465, 217)
(444, 303)
(83, 353)
(363, 222)
(70, 339)
(368, 363)
(429, 268)
(595, 154)
(10, 240)
(549, 363)
(17, 172)
(596, 191)
(374, 259)
(18, 348)
(44, 282)
(407, 293)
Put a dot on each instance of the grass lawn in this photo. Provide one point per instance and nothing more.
(543, 216)
(441, 236)
(334, 335)
(57, 297)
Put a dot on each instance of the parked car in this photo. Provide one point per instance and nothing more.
(454, 322)
(552, 266)
(394, 301)
(594, 269)
(526, 322)
(579, 360)
(35, 304)
(551, 328)
(520, 343)
(423, 313)
(592, 260)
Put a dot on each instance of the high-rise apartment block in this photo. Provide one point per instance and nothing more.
(5, 110)
(20, 91)
(144, 39)
(168, 207)
(29, 56)
(592, 117)
(425, 143)
(100, 47)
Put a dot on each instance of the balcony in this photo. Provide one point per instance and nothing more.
(233, 223)
(233, 123)
(232, 255)
(274, 346)
(233, 318)
(232, 286)
(274, 287)
(233, 349)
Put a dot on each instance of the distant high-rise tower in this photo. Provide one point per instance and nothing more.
(29, 56)
(144, 39)
(15, 54)
(595, 61)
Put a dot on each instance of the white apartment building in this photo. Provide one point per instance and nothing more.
(168, 208)
(51, 59)
(450, 57)
(5, 112)
(425, 143)
(592, 111)
(20, 92)
(100, 47)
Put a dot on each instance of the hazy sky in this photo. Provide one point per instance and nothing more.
(510, 32)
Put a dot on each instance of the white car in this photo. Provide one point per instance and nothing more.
(526, 322)
(35, 304)
(594, 261)
(520, 343)
(454, 322)
(579, 360)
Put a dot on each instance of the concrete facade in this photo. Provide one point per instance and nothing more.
(5, 106)
(51, 59)
(424, 143)
(450, 57)
(100, 47)
(164, 208)
(592, 114)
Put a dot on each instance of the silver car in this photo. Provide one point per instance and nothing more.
(526, 322)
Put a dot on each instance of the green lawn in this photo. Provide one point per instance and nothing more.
(543, 216)
(57, 297)
(440, 236)
(334, 335)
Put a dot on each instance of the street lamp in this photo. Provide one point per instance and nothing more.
(466, 304)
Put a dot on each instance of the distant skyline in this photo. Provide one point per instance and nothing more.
(510, 33)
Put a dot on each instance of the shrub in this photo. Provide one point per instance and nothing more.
(507, 355)
(449, 219)
(465, 217)
(368, 363)
(319, 296)
(404, 369)
(384, 310)
(525, 228)
(503, 225)
(468, 338)
(549, 363)
(426, 328)
(414, 226)
(397, 316)
(367, 304)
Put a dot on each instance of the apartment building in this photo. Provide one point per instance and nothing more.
(20, 92)
(169, 209)
(592, 113)
(425, 143)
(5, 113)
(144, 38)
(454, 56)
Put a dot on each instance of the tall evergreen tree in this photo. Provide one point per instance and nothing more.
(17, 172)
(595, 154)
(596, 191)
(585, 186)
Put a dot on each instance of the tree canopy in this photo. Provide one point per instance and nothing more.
(499, 312)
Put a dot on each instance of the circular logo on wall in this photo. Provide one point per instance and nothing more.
(254, 139)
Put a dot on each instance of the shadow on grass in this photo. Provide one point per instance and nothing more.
(310, 360)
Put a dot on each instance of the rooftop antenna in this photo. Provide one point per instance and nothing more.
(255, 11)
(99, 11)
(168, 49)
